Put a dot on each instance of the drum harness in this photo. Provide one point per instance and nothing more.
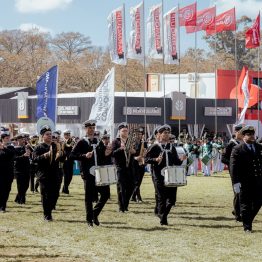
(92, 169)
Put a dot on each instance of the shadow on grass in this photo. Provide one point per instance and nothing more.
(219, 218)
(209, 226)
(21, 246)
(19, 256)
(152, 229)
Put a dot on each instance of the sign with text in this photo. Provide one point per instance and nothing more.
(140, 111)
(22, 105)
(68, 110)
(219, 111)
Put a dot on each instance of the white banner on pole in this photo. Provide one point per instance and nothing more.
(154, 32)
(136, 37)
(103, 108)
(245, 90)
(116, 31)
(171, 41)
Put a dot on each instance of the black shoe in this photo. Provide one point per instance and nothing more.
(163, 223)
(239, 219)
(96, 221)
(2, 209)
(89, 224)
(48, 218)
(121, 210)
(248, 231)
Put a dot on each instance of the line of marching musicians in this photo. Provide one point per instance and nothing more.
(129, 154)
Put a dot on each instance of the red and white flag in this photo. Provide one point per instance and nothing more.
(117, 41)
(205, 20)
(136, 37)
(224, 22)
(171, 37)
(154, 32)
(244, 82)
(253, 34)
(187, 15)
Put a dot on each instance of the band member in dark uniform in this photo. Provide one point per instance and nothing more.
(7, 154)
(246, 171)
(68, 165)
(22, 169)
(47, 155)
(91, 154)
(157, 156)
(123, 152)
(139, 165)
(226, 160)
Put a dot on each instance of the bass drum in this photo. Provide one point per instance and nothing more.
(181, 152)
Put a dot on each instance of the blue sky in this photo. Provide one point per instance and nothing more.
(89, 16)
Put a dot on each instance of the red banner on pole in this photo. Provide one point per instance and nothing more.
(187, 15)
(253, 34)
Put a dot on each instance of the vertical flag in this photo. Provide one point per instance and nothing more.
(103, 108)
(244, 88)
(136, 38)
(187, 15)
(224, 22)
(205, 20)
(171, 37)
(46, 88)
(154, 32)
(253, 34)
(117, 41)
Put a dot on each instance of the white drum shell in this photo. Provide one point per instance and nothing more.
(105, 175)
(174, 176)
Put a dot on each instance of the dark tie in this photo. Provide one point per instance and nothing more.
(252, 149)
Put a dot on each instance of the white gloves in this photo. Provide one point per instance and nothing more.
(237, 187)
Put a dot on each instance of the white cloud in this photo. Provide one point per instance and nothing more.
(31, 26)
(249, 8)
(36, 6)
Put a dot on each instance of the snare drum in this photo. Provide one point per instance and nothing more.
(174, 176)
(205, 159)
(105, 175)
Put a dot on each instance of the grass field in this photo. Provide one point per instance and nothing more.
(201, 228)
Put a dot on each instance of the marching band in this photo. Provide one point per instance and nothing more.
(50, 159)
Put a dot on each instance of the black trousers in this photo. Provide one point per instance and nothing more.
(138, 172)
(22, 182)
(166, 199)
(125, 187)
(250, 204)
(49, 194)
(156, 195)
(68, 174)
(90, 190)
(33, 169)
(5, 188)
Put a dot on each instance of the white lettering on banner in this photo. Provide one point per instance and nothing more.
(138, 31)
(173, 34)
(139, 111)
(46, 94)
(157, 30)
(119, 33)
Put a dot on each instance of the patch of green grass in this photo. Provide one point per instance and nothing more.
(201, 228)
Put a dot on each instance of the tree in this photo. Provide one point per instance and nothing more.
(224, 44)
(70, 46)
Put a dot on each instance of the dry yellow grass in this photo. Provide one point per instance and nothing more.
(201, 228)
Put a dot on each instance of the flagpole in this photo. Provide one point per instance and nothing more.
(258, 100)
(125, 71)
(236, 74)
(144, 65)
(163, 60)
(195, 123)
(56, 95)
(215, 80)
(179, 68)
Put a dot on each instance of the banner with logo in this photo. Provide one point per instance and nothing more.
(253, 34)
(46, 88)
(205, 20)
(178, 106)
(224, 22)
(117, 40)
(154, 32)
(187, 15)
(171, 40)
(136, 37)
(103, 108)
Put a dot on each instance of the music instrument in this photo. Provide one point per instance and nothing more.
(174, 176)
(181, 153)
(43, 121)
(129, 145)
(205, 159)
(105, 175)
(69, 142)
(142, 154)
